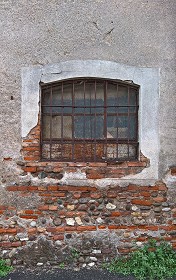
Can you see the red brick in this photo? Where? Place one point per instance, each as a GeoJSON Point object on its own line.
{"type": "Point", "coordinates": [32, 188]}
{"type": "Point", "coordinates": [86, 228]}
{"type": "Point", "coordinates": [124, 251]}
{"type": "Point", "coordinates": [52, 188]}
{"type": "Point", "coordinates": [22, 188]}
{"type": "Point", "coordinates": [53, 207]}
{"type": "Point", "coordinates": [77, 195]}
{"type": "Point", "coordinates": [159, 199]}
{"type": "Point", "coordinates": [2, 230]}
{"type": "Point", "coordinates": [58, 237]}
{"type": "Point", "coordinates": [111, 194]}
{"type": "Point", "coordinates": [117, 227]}
{"type": "Point", "coordinates": [33, 217]}
{"type": "Point", "coordinates": [3, 207]}
{"type": "Point", "coordinates": [60, 229]}
{"type": "Point", "coordinates": [145, 194]}
{"type": "Point", "coordinates": [133, 188]}
{"type": "Point", "coordinates": [31, 158]}
{"type": "Point", "coordinates": [42, 188]}
{"type": "Point", "coordinates": [11, 208]}
{"type": "Point", "coordinates": [11, 230]}
{"type": "Point", "coordinates": [95, 175]}
{"type": "Point", "coordinates": [136, 164]}
{"type": "Point", "coordinates": [1, 212]}
{"type": "Point", "coordinates": [97, 164]}
{"type": "Point", "coordinates": [116, 214]}
{"type": "Point", "coordinates": [44, 194]}
{"type": "Point", "coordinates": [70, 228]}
{"type": "Point", "coordinates": [151, 227]}
{"type": "Point", "coordinates": [12, 188]}
{"type": "Point", "coordinates": [57, 169]}
{"type": "Point", "coordinates": [77, 164]}
{"type": "Point", "coordinates": [43, 207]}
{"type": "Point", "coordinates": [30, 169]}
{"type": "Point", "coordinates": [5, 244]}
{"type": "Point", "coordinates": [32, 230]}
{"type": "Point", "coordinates": [162, 188]}
{"type": "Point", "coordinates": [102, 227]}
{"type": "Point", "coordinates": [51, 229]}
{"type": "Point", "coordinates": [95, 195]}
{"type": "Point", "coordinates": [31, 148]}
{"type": "Point", "coordinates": [141, 202]}
{"type": "Point", "coordinates": [29, 211]}
{"type": "Point", "coordinates": [16, 244]}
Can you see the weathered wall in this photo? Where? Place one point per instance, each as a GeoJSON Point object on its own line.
{"type": "Point", "coordinates": [140, 33]}
{"type": "Point", "coordinates": [41, 32]}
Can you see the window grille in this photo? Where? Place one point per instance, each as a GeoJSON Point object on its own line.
{"type": "Point", "coordinates": [89, 119]}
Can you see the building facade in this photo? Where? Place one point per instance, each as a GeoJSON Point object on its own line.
{"type": "Point", "coordinates": [88, 128]}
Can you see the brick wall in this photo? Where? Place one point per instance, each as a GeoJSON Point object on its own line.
{"type": "Point", "coordinates": [44, 220]}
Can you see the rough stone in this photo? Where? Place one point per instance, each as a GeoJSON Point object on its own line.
{"type": "Point", "coordinates": [57, 222]}
{"type": "Point", "coordinates": [70, 221]}
{"type": "Point", "coordinates": [110, 206]}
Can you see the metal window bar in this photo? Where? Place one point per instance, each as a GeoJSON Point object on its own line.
{"type": "Point", "coordinates": [93, 141]}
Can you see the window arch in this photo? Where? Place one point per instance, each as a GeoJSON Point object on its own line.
{"type": "Point", "coordinates": [89, 119]}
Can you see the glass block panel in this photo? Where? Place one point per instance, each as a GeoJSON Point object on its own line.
{"type": "Point", "coordinates": [56, 151]}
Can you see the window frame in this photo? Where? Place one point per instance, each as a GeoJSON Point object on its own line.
{"type": "Point", "coordinates": [128, 84]}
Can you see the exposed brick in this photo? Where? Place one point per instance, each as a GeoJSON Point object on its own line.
{"type": "Point", "coordinates": [102, 227]}
{"type": "Point", "coordinates": [53, 208]}
{"type": "Point", "coordinates": [42, 188]}
{"type": "Point", "coordinates": [22, 188]}
{"type": "Point", "coordinates": [133, 188]}
{"type": "Point", "coordinates": [141, 202]}
{"type": "Point", "coordinates": [16, 244]}
{"type": "Point", "coordinates": [29, 211]}
{"type": "Point", "coordinates": [33, 217]}
{"type": "Point", "coordinates": [86, 228]}
{"type": "Point", "coordinates": [136, 164]}
{"type": "Point", "coordinates": [30, 169]}
{"type": "Point", "coordinates": [52, 188]}
{"type": "Point", "coordinates": [31, 159]}
{"type": "Point", "coordinates": [111, 194]}
{"type": "Point", "coordinates": [2, 230]}
{"type": "Point", "coordinates": [97, 164]}
{"type": "Point", "coordinates": [95, 175]}
{"type": "Point", "coordinates": [159, 199]}
{"type": "Point", "coordinates": [11, 230]}
{"type": "Point", "coordinates": [58, 237]}
{"type": "Point", "coordinates": [32, 188]}
{"type": "Point", "coordinates": [32, 230]}
{"type": "Point", "coordinates": [3, 207]}
{"type": "Point", "coordinates": [116, 214]}
{"type": "Point", "coordinates": [12, 188]}
{"type": "Point", "coordinates": [96, 195]}
{"type": "Point", "coordinates": [43, 207]}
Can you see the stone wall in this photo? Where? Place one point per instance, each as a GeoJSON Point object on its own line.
{"type": "Point", "coordinates": [53, 224]}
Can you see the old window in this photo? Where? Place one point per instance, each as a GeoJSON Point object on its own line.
{"type": "Point", "coordinates": [89, 119]}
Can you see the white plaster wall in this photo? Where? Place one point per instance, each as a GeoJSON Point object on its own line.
{"type": "Point", "coordinates": [147, 78]}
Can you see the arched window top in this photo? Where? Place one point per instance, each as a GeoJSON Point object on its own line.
{"type": "Point", "coordinates": [89, 119]}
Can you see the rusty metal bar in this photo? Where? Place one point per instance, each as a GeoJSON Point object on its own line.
{"type": "Point", "coordinates": [93, 124]}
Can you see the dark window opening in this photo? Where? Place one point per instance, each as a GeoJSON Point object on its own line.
{"type": "Point", "coordinates": [89, 119]}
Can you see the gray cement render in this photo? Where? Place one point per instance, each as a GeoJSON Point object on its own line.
{"type": "Point", "coordinates": [40, 32]}
{"type": "Point", "coordinates": [147, 78]}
